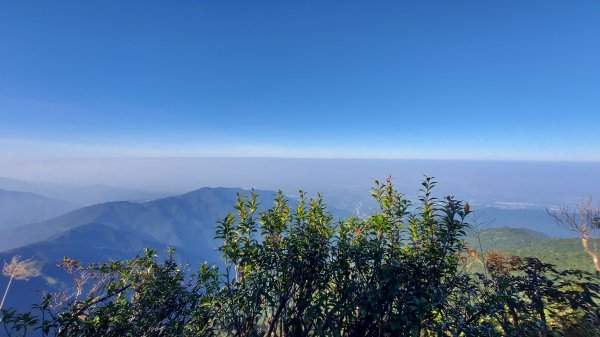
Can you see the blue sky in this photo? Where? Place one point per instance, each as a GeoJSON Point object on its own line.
{"type": "Point", "coordinates": [358, 79]}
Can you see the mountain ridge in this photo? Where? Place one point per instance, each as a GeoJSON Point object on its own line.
{"type": "Point", "coordinates": [20, 208]}
{"type": "Point", "coordinates": [174, 220]}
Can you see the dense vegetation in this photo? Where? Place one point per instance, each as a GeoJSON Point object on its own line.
{"type": "Point", "coordinates": [564, 253]}
{"type": "Point", "coordinates": [293, 271]}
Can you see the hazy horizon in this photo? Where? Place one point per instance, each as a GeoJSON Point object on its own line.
{"type": "Point", "coordinates": [527, 182]}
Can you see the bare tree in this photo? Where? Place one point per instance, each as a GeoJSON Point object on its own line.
{"type": "Point", "coordinates": [584, 220]}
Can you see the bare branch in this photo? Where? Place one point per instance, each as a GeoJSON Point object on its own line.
{"type": "Point", "coordinates": [582, 220]}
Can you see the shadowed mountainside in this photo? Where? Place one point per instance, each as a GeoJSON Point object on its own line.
{"type": "Point", "coordinates": [89, 243]}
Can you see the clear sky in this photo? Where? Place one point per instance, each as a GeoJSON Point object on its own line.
{"type": "Point", "coordinates": [363, 79]}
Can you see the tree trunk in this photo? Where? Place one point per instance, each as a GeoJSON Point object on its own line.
{"type": "Point", "coordinates": [586, 246]}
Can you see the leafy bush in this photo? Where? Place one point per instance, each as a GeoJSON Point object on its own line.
{"type": "Point", "coordinates": [294, 271]}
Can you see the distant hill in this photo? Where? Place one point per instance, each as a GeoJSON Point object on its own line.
{"type": "Point", "coordinates": [531, 218]}
{"type": "Point", "coordinates": [565, 253]}
{"type": "Point", "coordinates": [20, 208]}
{"type": "Point", "coordinates": [185, 220]}
{"type": "Point", "coordinates": [79, 195]}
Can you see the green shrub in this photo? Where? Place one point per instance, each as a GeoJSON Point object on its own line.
{"type": "Point", "coordinates": [294, 271]}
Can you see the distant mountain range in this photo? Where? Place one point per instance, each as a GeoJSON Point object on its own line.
{"type": "Point", "coordinates": [187, 220]}
{"type": "Point", "coordinates": [536, 219]}
{"type": "Point", "coordinates": [20, 208]}
{"type": "Point", "coordinates": [78, 195]}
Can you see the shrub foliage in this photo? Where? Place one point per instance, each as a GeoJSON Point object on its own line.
{"type": "Point", "coordinates": [294, 271]}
